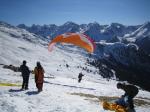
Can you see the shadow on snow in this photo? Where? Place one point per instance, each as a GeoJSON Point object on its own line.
{"type": "Point", "coordinates": [68, 85]}
{"type": "Point", "coordinates": [32, 93]}
{"type": "Point", "coordinates": [15, 90]}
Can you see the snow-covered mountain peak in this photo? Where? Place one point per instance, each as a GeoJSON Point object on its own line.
{"type": "Point", "coordinates": [4, 25]}
{"type": "Point", "coordinates": [116, 25]}
{"type": "Point", "coordinates": [143, 30]}
{"type": "Point", "coordinates": [19, 33]}
{"type": "Point", "coordinates": [22, 26]}
{"type": "Point", "coordinates": [93, 24]}
{"type": "Point", "coordinates": [147, 24]}
{"type": "Point", "coordinates": [69, 23]}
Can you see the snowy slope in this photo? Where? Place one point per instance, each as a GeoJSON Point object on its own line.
{"type": "Point", "coordinates": [60, 81]}
{"type": "Point", "coordinates": [144, 30]}
{"type": "Point", "coordinates": [140, 33]}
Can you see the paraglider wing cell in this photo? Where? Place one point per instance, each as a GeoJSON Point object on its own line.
{"type": "Point", "coordinates": [50, 47]}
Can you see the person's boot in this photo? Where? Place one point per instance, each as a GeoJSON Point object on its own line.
{"type": "Point", "coordinates": [22, 89]}
{"type": "Point", "coordinates": [26, 88]}
{"type": "Point", "coordinates": [39, 90]}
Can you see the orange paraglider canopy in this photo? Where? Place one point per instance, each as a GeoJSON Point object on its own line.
{"type": "Point", "coordinates": [74, 38]}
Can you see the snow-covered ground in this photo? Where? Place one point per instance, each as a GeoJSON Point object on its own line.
{"type": "Point", "coordinates": [61, 92]}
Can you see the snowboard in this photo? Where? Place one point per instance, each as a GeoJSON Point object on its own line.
{"type": "Point", "coordinates": [113, 107]}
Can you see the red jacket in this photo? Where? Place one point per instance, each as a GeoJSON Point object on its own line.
{"type": "Point", "coordinates": [39, 75]}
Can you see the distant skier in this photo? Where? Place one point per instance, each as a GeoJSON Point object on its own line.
{"type": "Point", "coordinates": [127, 99]}
{"type": "Point", "coordinates": [39, 76]}
{"type": "Point", "coordinates": [25, 75]}
{"type": "Point", "coordinates": [80, 77]}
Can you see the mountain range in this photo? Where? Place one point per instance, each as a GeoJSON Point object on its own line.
{"type": "Point", "coordinates": [94, 30]}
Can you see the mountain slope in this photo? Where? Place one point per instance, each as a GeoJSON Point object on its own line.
{"type": "Point", "coordinates": [129, 61]}
{"type": "Point", "coordinates": [141, 32]}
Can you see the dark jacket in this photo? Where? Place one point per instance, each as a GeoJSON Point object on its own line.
{"type": "Point", "coordinates": [130, 90]}
{"type": "Point", "coordinates": [24, 70]}
{"type": "Point", "coordinates": [80, 75]}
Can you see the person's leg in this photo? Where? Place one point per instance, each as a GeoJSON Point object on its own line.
{"type": "Point", "coordinates": [121, 101]}
{"type": "Point", "coordinates": [26, 82]}
{"type": "Point", "coordinates": [40, 86]}
{"type": "Point", "coordinates": [79, 80]}
{"type": "Point", "coordinates": [130, 101]}
{"type": "Point", "coordinates": [37, 85]}
{"type": "Point", "coordinates": [23, 83]}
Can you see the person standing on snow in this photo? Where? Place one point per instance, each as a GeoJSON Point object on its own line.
{"type": "Point", "coordinates": [39, 76]}
{"type": "Point", "coordinates": [25, 75]}
{"type": "Point", "coordinates": [80, 77]}
{"type": "Point", "coordinates": [130, 92]}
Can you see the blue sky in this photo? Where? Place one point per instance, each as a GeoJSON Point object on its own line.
{"type": "Point", "coordinates": [128, 12]}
